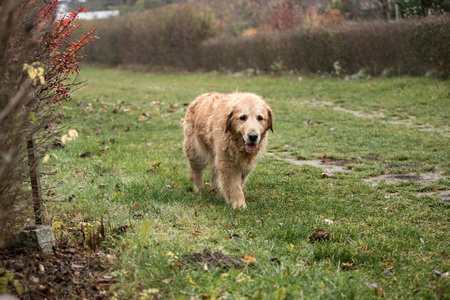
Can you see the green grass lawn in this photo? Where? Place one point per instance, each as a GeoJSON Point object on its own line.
{"type": "Point", "coordinates": [386, 240]}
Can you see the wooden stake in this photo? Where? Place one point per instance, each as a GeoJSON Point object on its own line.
{"type": "Point", "coordinates": [35, 183]}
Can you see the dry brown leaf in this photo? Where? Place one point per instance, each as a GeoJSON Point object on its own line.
{"type": "Point", "coordinates": [249, 259]}
{"type": "Point", "coordinates": [319, 235]}
{"type": "Point", "coordinates": [86, 154]}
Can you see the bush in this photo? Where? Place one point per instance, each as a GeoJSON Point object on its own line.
{"type": "Point", "coordinates": [169, 36]}
{"type": "Point", "coordinates": [405, 48]}
{"type": "Point", "coordinates": [182, 36]}
{"type": "Point", "coordinates": [36, 63]}
{"type": "Point", "coordinates": [431, 42]}
{"type": "Point", "coordinates": [17, 47]}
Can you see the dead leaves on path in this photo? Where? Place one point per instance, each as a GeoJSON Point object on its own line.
{"type": "Point", "coordinates": [83, 274]}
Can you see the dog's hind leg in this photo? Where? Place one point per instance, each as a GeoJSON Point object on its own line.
{"type": "Point", "coordinates": [196, 160]}
{"type": "Point", "coordinates": [214, 176]}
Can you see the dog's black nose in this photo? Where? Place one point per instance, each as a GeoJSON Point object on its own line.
{"type": "Point", "coordinates": [253, 136]}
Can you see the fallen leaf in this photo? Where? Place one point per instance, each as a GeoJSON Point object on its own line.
{"type": "Point", "coordinates": [438, 273]}
{"type": "Point", "coordinates": [377, 288]}
{"type": "Point", "coordinates": [116, 187]}
{"type": "Point", "coordinates": [167, 280]}
{"type": "Point", "coordinates": [249, 259]}
{"type": "Point", "coordinates": [348, 266]}
{"type": "Point", "coordinates": [328, 221]}
{"type": "Point", "coordinates": [102, 185]}
{"type": "Point", "coordinates": [232, 236]}
{"type": "Point", "coordinates": [333, 128]}
{"type": "Point", "coordinates": [319, 235]}
{"type": "Point", "coordinates": [307, 122]}
{"type": "Point", "coordinates": [52, 172]}
{"type": "Point", "coordinates": [372, 285]}
{"type": "Point", "coordinates": [76, 266]}
{"type": "Point", "coordinates": [17, 266]}
{"type": "Point", "coordinates": [327, 173]}
{"type": "Point", "coordinates": [388, 272]}
{"type": "Point", "coordinates": [101, 152]}
{"type": "Point", "coordinates": [142, 118]}
{"type": "Point", "coordinates": [86, 154]}
{"type": "Point", "coordinates": [115, 111]}
{"type": "Point", "coordinates": [121, 229]}
{"type": "Point", "coordinates": [18, 287]}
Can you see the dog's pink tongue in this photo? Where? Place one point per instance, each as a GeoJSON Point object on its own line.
{"type": "Point", "coordinates": [251, 147]}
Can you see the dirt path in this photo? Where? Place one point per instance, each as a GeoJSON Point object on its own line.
{"type": "Point", "coordinates": [445, 130]}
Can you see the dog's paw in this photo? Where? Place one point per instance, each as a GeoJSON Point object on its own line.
{"type": "Point", "coordinates": [239, 204]}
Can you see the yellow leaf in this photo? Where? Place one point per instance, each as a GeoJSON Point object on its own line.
{"type": "Point", "coordinates": [54, 155]}
{"type": "Point", "coordinates": [46, 158]}
{"type": "Point", "coordinates": [32, 73]}
{"type": "Point", "coordinates": [57, 224]}
{"type": "Point", "coordinates": [73, 133]}
{"type": "Point", "coordinates": [191, 281]}
{"type": "Point", "coordinates": [18, 286]}
{"type": "Point", "coordinates": [40, 71]}
{"type": "Point", "coordinates": [32, 116]}
{"type": "Point", "coordinates": [64, 138]}
{"type": "Point", "coordinates": [142, 118]}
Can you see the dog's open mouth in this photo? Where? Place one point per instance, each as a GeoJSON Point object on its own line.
{"type": "Point", "coordinates": [250, 147]}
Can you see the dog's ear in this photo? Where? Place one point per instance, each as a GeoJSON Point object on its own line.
{"type": "Point", "coordinates": [229, 121]}
{"type": "Point", "coordinates": [270, 113]}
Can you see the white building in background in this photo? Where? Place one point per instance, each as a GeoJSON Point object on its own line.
{"type": "Point", "coordinates": [63, 9]}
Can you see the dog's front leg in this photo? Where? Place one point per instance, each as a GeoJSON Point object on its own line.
{"type": "Point", "coordinates": [230, 183]}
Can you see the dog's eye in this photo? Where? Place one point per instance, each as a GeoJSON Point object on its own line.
{"type": "Point", "coordinates": [243, 118]}
{"type": "Point", "coordinates": [260, 118]}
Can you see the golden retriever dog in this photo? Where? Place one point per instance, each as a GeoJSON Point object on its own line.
{"type": "Point", "coordinates": [228, 133]}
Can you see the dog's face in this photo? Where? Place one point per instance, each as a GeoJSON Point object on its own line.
{"type": "Point", "coordinates": [250, 118]}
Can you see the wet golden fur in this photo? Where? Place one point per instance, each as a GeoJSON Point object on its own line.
{"type": "Point", "coordinates": [228, 133]}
